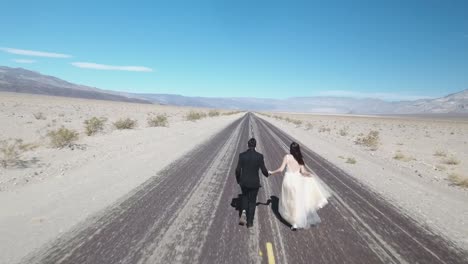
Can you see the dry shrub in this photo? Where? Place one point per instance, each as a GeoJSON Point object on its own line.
{"type": "Point", "coordinates": [351, 160]}
{"type": "Point", "coordinates": [458, 179]}
{"type": "Point", "coordinates": [193, 116]}
{"type": "Point", "coordinates": [39, 116]}
{"type": "Point", "coordinates": [309, 126]}
{"type": "Point", "coordinates": [324, 129]}
{"type": "Point", "coordinates": [402, 157]}
{"type": "Point", "coordinates": [213, 113]}
{"type": "Point", "coordinates": [451, 161]}
{"type": "Point", "coordinates": [158, 121]}
{"type": "Point", "coordinates": [440, 153]}
{"type": "Point", "coordinates": [62, 137]}
{"type": "Point", "coordinates": [11, 150]}
{"type": "Point", "coordinates": [125, 123]}
{"type": "Point", "coordinates": [231, 113]}
{"type": "Point", "coordinates": [371, 140]}
{"type": "Point", "coordinates": [267, 115]}
{"type": "Point", "coordinates": [344, 131]}
{"type": "Point", "coordinates": [94, 125]}
{"type": "Point", "coordinates": [296, 122]}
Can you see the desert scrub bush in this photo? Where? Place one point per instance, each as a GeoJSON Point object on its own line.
{"type": "Point", "coordinates": [94, 125]}
{"type": "Point", "coordinates": [344, 131]}
{"type": "Point", "coordinates": [158, 121]}
{"type": "Point", "coordinates": [351, 160]}
{"type": "Point", "coordinates": [125, 123]}
{"type": "Point", "coordinates": [39, 116]}
{"type": "Point", "coordinates": [296, 122]}
{"type": "Point", "coordinates": [227, 113]}
{"type": "Point", "coordinates": [62, 137]}
{"type": "Point", "coordinates": [458, 179]}
{"type": "Point", "coordinates": [451, 161]}
{"type": "Point", "coordinates": [371, 140]}
{"type": "Point", "coordinates": [193, 116]}
{"type": "Point", "coordinates": [308, 126]}
{"type": "Point", "coordinates": [263, 114]}
{"type": "Point", "coordinates": [400, 156]}
{"type": "Point", "coordinates": [324, 129]}
{"type": "Point", "coordinates": [11, 150]}
{"type": "Point", "coordinates": [440, 153]}
{"type": "Point", "coordinates": [213, 113]}
{"type": "Point", "coordinates": [230, 113]}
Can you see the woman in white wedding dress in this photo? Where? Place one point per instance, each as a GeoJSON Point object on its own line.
{"type": "Point", "coordinates": [301, 194]}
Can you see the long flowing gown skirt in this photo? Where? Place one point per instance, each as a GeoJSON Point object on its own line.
{"type": "Point", "coordinates": [300, 199]}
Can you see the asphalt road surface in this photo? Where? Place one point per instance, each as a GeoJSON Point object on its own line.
{"type": "Point", "coordinates": [185, 215]}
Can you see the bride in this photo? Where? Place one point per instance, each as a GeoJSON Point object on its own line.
{"type": "Point", "coordinates": [301, 193]}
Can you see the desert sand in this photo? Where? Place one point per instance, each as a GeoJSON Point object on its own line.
{"type": "Point", "coordinates": [415, 162]}
{"type": "Point", "coordinates": [52, 189]}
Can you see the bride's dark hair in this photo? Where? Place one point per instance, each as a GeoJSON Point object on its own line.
{"type": "Point", "coordinates": [295, 150]}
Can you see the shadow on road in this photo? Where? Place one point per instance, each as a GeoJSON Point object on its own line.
{"type": "Point", "coordinates": [273, 202]}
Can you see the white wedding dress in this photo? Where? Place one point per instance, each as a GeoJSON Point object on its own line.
{"type": "Point", "coordinates": [301, 197]}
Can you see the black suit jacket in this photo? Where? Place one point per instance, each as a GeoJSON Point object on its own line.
{"type": "Point", "coordinates": [249, 163]}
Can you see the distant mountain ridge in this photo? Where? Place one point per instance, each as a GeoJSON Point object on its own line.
{"type": "Point", "coordinates": [25, 81]}
{"type": "Point", "coordinates": [454, 103]}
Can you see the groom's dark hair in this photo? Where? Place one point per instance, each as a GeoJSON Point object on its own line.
{"type": "Point", "coordinates": [252, 143]}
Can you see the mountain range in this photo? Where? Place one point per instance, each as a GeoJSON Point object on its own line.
{"type": "Point", "coordinates": [20, 80]}
{"type": "Point", "coordinates": [25, 81]}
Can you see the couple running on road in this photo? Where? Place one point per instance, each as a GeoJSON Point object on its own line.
{"type": "Point", "coordinates": [301, 193]}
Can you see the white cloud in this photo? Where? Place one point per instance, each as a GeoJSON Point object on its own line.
{"type": "Point", "coordinates": [377, 95]}
{"type": "Point", "coordinates": [23, 61]}
{"type": "Point", "coordinates": [95, 66]}
{"type": "Point", "coordinates": [35, 53]}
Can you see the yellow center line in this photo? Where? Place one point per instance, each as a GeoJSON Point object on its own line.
{"type": "Point", "coordinates": [270, 255]}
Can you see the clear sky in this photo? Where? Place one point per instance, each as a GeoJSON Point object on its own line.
{"type": "Point", "coordinates": [274, 49]}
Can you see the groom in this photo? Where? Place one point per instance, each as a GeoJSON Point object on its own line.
{"type": "Point", "coordinates": [247, 177]}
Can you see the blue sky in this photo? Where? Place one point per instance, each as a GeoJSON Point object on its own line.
{"type": "Point", "coordinates": [274, 49]}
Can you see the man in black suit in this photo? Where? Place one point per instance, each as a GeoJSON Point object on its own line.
{"type": "Point", "coordinates": [247, 177]}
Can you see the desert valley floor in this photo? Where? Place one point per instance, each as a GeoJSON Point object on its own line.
{"type": "Point", "coordinates": [163, 194]}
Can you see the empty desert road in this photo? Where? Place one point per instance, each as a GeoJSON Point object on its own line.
{"type": "Point", "coordinates": [184, 215]}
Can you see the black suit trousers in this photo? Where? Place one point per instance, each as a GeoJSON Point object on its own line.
{"type": "Point", "coordinates": [249, 202]}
